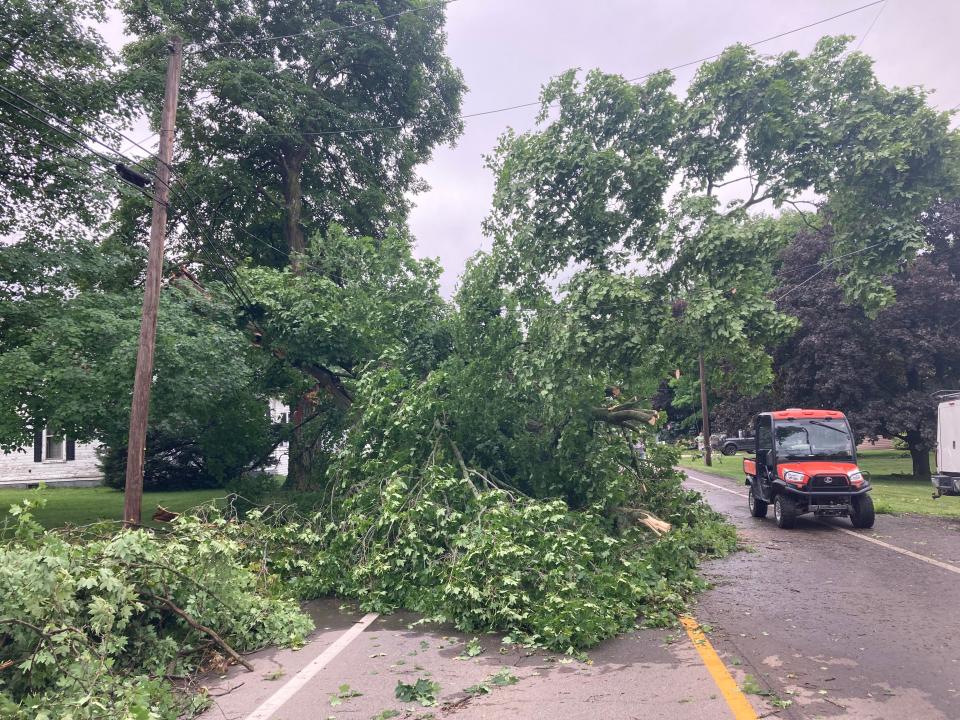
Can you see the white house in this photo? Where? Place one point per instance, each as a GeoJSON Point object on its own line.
{"type": "Point", "coordinates": [57, 460]}
{"type": "Point", "coordinates": [54, 460]}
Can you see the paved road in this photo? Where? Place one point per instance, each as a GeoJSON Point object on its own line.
{"type": "Point", "coordinates": [644, 675]}
{"type": "Point", "coordinates": [853, 624]}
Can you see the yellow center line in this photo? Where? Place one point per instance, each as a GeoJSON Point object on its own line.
{"type": "Point", "coordinates": [736, 700]}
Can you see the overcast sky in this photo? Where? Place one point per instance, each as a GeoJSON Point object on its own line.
{"type": "Point", "coordinates": [508, 48]}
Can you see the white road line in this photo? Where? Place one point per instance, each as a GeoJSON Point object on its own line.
{"type": "Point", "coordinates": [902, 551]}
{"type": "Point", "coordinates": [718, 487]}
{"type": "Point", "coordinates": [866, 538]}
{"type": "Point", "coordinates": [296, 683]}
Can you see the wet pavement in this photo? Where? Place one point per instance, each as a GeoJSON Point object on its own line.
{"type": "Point", "coordinates": [647, 675]}
{"type": "Point", "coordinates": [840, 626]}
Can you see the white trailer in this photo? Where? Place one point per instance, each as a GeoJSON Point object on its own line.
{"type": "Point", "coordinates": [947, 479]}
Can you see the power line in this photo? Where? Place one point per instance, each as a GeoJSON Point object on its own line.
{"type": "Point", "coordinates": [229, 279]}
{"type": "Point", "coordinates": [875, 18]}
{"type": "Point", "coordinates": [326, 31]}
{"type": "Point", "coordinates": [140, 144]}
{"type": "Point", "coordinates": [78, 142]}
{"type": "Point", "coordinates": [67, 135]}
{"type": "Point", "coordinates": [71, 152]}
{"type": "Point", "coordinates": [800, 285]}
{"type": "Point", "coordinates": [107, 160]}
{"type": "Point", "coordinates": [96, 120]}
{"type": "Point", "coordinates": [826, 267]}
{"type": "Point", "coordinates": [75, 128]}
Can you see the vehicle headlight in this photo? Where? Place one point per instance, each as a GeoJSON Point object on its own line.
{"type": "Point", "coordinates": [792, 476]}
{"type": "Point", "coordinates": [856, 477]}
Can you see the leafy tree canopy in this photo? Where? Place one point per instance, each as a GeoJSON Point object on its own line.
{"type": "Point", "coordinates": [67, 360]}
{"type": "Point", "coordinates": [53, 63]}
{"type": "Point", "coordinates": [296, 118]}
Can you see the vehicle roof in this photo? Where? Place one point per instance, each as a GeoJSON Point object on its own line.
{"type": "Point", "coordinates": [799, 413]}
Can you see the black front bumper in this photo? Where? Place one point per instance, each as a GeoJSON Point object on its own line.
{"type": "Point", "coordinates": [824, 503]}
{"type": "Point", "coordinates": [946, 484]}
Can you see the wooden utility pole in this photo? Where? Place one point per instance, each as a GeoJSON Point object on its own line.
{"type": "Point", "coordinates": [704, 408]}
{"type": "Point", "coordinates": [140, 407]}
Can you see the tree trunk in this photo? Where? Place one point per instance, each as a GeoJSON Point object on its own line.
{"type": "Point", "coordinates": [298, 461]}
{"type": "Point", "coordinates": [920, 456]}
{"type": "Point", "coordinates": [291, 169]}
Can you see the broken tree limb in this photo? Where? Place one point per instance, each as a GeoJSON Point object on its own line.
{"type": "Point", "coordinates": [210, 633]}
{"type": "Point", "coordinates": [636, 516]}
{"type": "Point", "coordinates": [627, 417]}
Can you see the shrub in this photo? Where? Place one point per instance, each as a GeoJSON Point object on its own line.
{"type": "Point", "coordinates": [94, 621]}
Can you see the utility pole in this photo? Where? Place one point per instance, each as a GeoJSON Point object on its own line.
{"type": "Point", "coordinates": [707, 453]}
{"type": "Point", "coordinates": [140, 407]}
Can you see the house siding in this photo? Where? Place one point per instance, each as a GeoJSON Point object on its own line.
{"type": "Point", "coordinates": [17, 469]}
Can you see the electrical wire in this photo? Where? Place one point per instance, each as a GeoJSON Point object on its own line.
{"type": "Point", "coordinates": [107, 160]}
{"type": "Point", "coordinates": [72, 126]}
{"type": "Point", "coordinates": [97, 121]}
{"type": "Point", "coordinates": [245, 300]}
{"type": "Point", "coordinates": [827, 266]}
{"type": "Point", "coordinates": [833, 260]}
{"type": "Point", "coordinates": [800, 285]}
{"type": "Point", "coordinates": [73, 139]}
{"type": "Point", "coordinates": [99, 171]}
{"type": "Point", "coordinates": [140, 143]}
{"type": "Point", "coordinates": [876, 17]}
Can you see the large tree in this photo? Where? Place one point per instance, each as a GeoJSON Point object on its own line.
{"type": "Point", "coordinates": [882, 368]}
{"type": "Point", "coordinates": [628, 180]}
{"type": "Point", "coordinates": [297, 117]}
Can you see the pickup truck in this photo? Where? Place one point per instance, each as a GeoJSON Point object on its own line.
{"type": "Point", "coordinates": [806, 462]}
{"type": "Point", "coordinates": [733, 445]}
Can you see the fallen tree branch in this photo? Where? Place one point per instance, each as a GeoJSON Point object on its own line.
{"type": "Point", "coordinates": [626, 416]}
{"type": "Point", "coordinates": [212, 634]}
{"type": "Point", "coordinates": [628, 515]}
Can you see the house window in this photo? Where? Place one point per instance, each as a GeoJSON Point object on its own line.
{"type": "Point", "coordinates": [51, 447]}
{"type": "Point", "coordinates": [54, 447]}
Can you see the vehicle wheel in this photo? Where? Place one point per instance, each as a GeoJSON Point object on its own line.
{"type": "Point", "coordinates": [758, 508]}
{"type": "Point", "coordinates": [785, 511]}
{"type": "Point", "coordinates": [862, 516]}
{"type": "Point", "coordinates": [730, 449]}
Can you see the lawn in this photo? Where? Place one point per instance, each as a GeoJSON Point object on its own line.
{"type": "Point", "coordinates": [82, 506]}
{"type": "Point", "coordinates": [894, 488]}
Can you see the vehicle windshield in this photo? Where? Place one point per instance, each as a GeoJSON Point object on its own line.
{"type": "Point", "coordinates": [826, 439]}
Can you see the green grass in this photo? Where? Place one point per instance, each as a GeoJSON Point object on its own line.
{"type": "Point", "coordinates": [895, 490]}
{"type": "Point", "coordinates": [82, 506]}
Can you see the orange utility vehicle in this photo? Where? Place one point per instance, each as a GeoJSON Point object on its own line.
{"type": "Point", "coordinates": [806, 462]}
